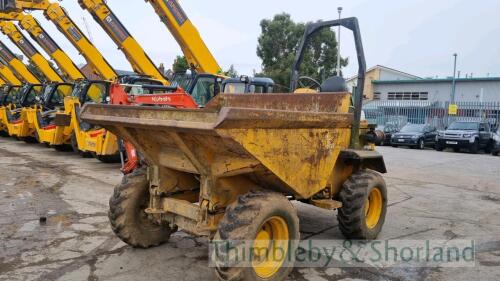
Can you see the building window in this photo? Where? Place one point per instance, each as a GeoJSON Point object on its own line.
{"type": "Point", "coordinates": [407, 96]}
{"type": "Point", "coordinates": [376, 96]}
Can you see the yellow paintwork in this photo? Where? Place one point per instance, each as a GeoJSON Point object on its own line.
{"type": "Point", "coordinates": [31, 25]}
{"type": "Point", "coordinates": [135, 54]}
{"type": "Point", "coordinates": [187, 36]}
{"type": "Point", "coordinates": [373, 208]}
{"type": "Point", "coordinates": [55, 13]}
{"type": "Point", "coordinates": [301, 168]}
{"type": "Point", "coordinates": [8, 28]}
{"type": "Point", "coordinates": [17, 65]}
{"type": "Point", "coordinates": [46, 135]}
{"type": "Point", "coordinates": [9, 76]}
{"type": "Point", "coordinates": [270, 247]}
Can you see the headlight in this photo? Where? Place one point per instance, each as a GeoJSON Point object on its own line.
{"type": "Point", "coordinates": [467, 135]}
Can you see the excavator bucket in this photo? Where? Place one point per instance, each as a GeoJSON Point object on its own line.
{"type": "Point", "coordinates": [289, 143]}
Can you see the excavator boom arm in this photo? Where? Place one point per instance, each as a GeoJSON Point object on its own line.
{"type": "Point", "coordinates": [36, 31]}
{"type": "Point", "coordinates": [8, 28]}
{"type": "Point", "coordinates": [55, 13]}
{"type": "Point", "coordinates": [187, 36]}
{"type": "Point", "coordinates": [135, 54]}
{"type": "Point", "coordinates": [17, 65]}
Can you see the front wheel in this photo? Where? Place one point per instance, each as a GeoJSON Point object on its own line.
{"type": "Point", "coordinates": [364, 205]}
{"type": "Point", "coordinates": [439, 147]}
{"type": "Point", "coordinates": [474, 147]}
{"type": "Point", "coordinates": [421, 144]}
{"type": "Point", "coordinates": [127, 215]}
{"type": "Point", "coordinates": [264, 225]}
{"type": "Point", "coordinates": [108, 159]}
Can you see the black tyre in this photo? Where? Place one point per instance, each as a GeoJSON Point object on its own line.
{"type": "Point", "coordinates": [393, 145]}
{"type": "Point", "coordinates": [456, 149]}
{"type": "Point", "coordinates": [421, 144]}
{"type": "Point", "coordinates": [364, 205]}
{"type": "Point", "coordinates": [63, 147]}
{"type": "Point", "coordinates": [489, 147]}
{"type": "Point", "coordinates": [474, 147]}
{"type": "Point", "coordinates": [108, 159]}
{"type": "Point", "coordinates": [29, 140]}
{"type": "Point", "coordinates": [495, 153]}
{"type": "Point", "coordinates": [267, 219]}
{"type": "Point", "coordinates": [74, 146]}
{"type": "Point", "coordinates": [4, 133]}
{"type": "Point", "coordinates": [127, 217]}
{"type": "Point", "coordinates": [439, 147]}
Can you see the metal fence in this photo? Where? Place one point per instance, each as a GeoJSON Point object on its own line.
{"type": "Point", "coordinates": [436, 114]}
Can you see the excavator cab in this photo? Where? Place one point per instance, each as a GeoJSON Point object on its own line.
{"type": "Point", "coordinates": [246, 84]}
{"type": "Point", "coordinates": [54, 94]}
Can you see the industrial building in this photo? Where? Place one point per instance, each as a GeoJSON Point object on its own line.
{"type": "Point", "coordinates": [384, 83]}
{"type": "Point", "coordinates": [438, 90]}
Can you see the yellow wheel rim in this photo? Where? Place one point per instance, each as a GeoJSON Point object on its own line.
{"type": "Point", "coordinates": [270, 247]}
{"type": "Point", "coordinates": [373, 208]}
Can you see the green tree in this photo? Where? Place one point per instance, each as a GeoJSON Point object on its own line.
{"type": "Point", "coordinates": [180, 64]}
{"type": "Point", "coordinates": [277, 46]}
{"type": "Point", "coordinates": [231, 72]}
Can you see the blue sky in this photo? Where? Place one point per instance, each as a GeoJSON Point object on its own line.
{"type": "Point", "coordinates": [415, 36]}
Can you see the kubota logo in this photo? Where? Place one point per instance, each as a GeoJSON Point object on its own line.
{"type": "Point", "coordinates": [161, 99]}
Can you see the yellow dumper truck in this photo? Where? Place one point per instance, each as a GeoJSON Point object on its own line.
{"type": "Point", "coordinates": [230, 170]}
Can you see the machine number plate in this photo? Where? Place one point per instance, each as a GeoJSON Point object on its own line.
{"type": "Point", "coordinates": [451, 142]}
{"type": "Point", "coordinates": [401, 140]}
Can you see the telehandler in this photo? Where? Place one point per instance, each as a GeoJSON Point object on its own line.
{"type": "Point", "coordinates": [229, 170]}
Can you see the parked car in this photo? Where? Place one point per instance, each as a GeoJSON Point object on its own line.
{"type": "Point", "coordinates": [415, 135]}
{"type": "Point", "coordinates": [470, 135]}
{"type": "Point", "coordinates": [496, 145]}
{"type": "Point", "coordinates": [384, 133]}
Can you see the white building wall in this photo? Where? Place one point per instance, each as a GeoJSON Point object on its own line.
{"type": "Point", "coordinates": [465, 91]}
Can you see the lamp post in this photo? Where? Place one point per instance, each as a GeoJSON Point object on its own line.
{"type": "Point", "coordinates": [339, 9]}
{"type": "Point", "coordinates": [453, 86]}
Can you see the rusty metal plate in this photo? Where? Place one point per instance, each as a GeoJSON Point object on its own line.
{"type": "Point", "coordinates": [62, 119]}
{"type": "Point", "coordinates": [324, 102]}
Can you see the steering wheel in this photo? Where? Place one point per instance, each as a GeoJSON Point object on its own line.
{"type": "Point", "coordinates": [309, 83]}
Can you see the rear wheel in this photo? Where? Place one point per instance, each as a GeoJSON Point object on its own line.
{"type": "Point", "coordinates": [270, 222]}
{"type": "Point", "coordinates": [3, 133]}
{"type": "Point", "coordinates": [126, 213]}
{"type": "Point", "coordinates": [364, 205]}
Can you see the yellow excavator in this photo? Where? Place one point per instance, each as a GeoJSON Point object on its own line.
{"type": "Point", "coordinates": [67, 127]}
{"type": "Point", "coordinates": [12, 118]}
{"type": "Point", "coordinates": [54, 88]}
{"type": "Point", "coordinates": [29, 50]}
{"type": "Point", "coordinates": [54, 93]}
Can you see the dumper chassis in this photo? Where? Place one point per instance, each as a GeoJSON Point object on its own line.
{"type": "Point", "coordinates": [230, 170]}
